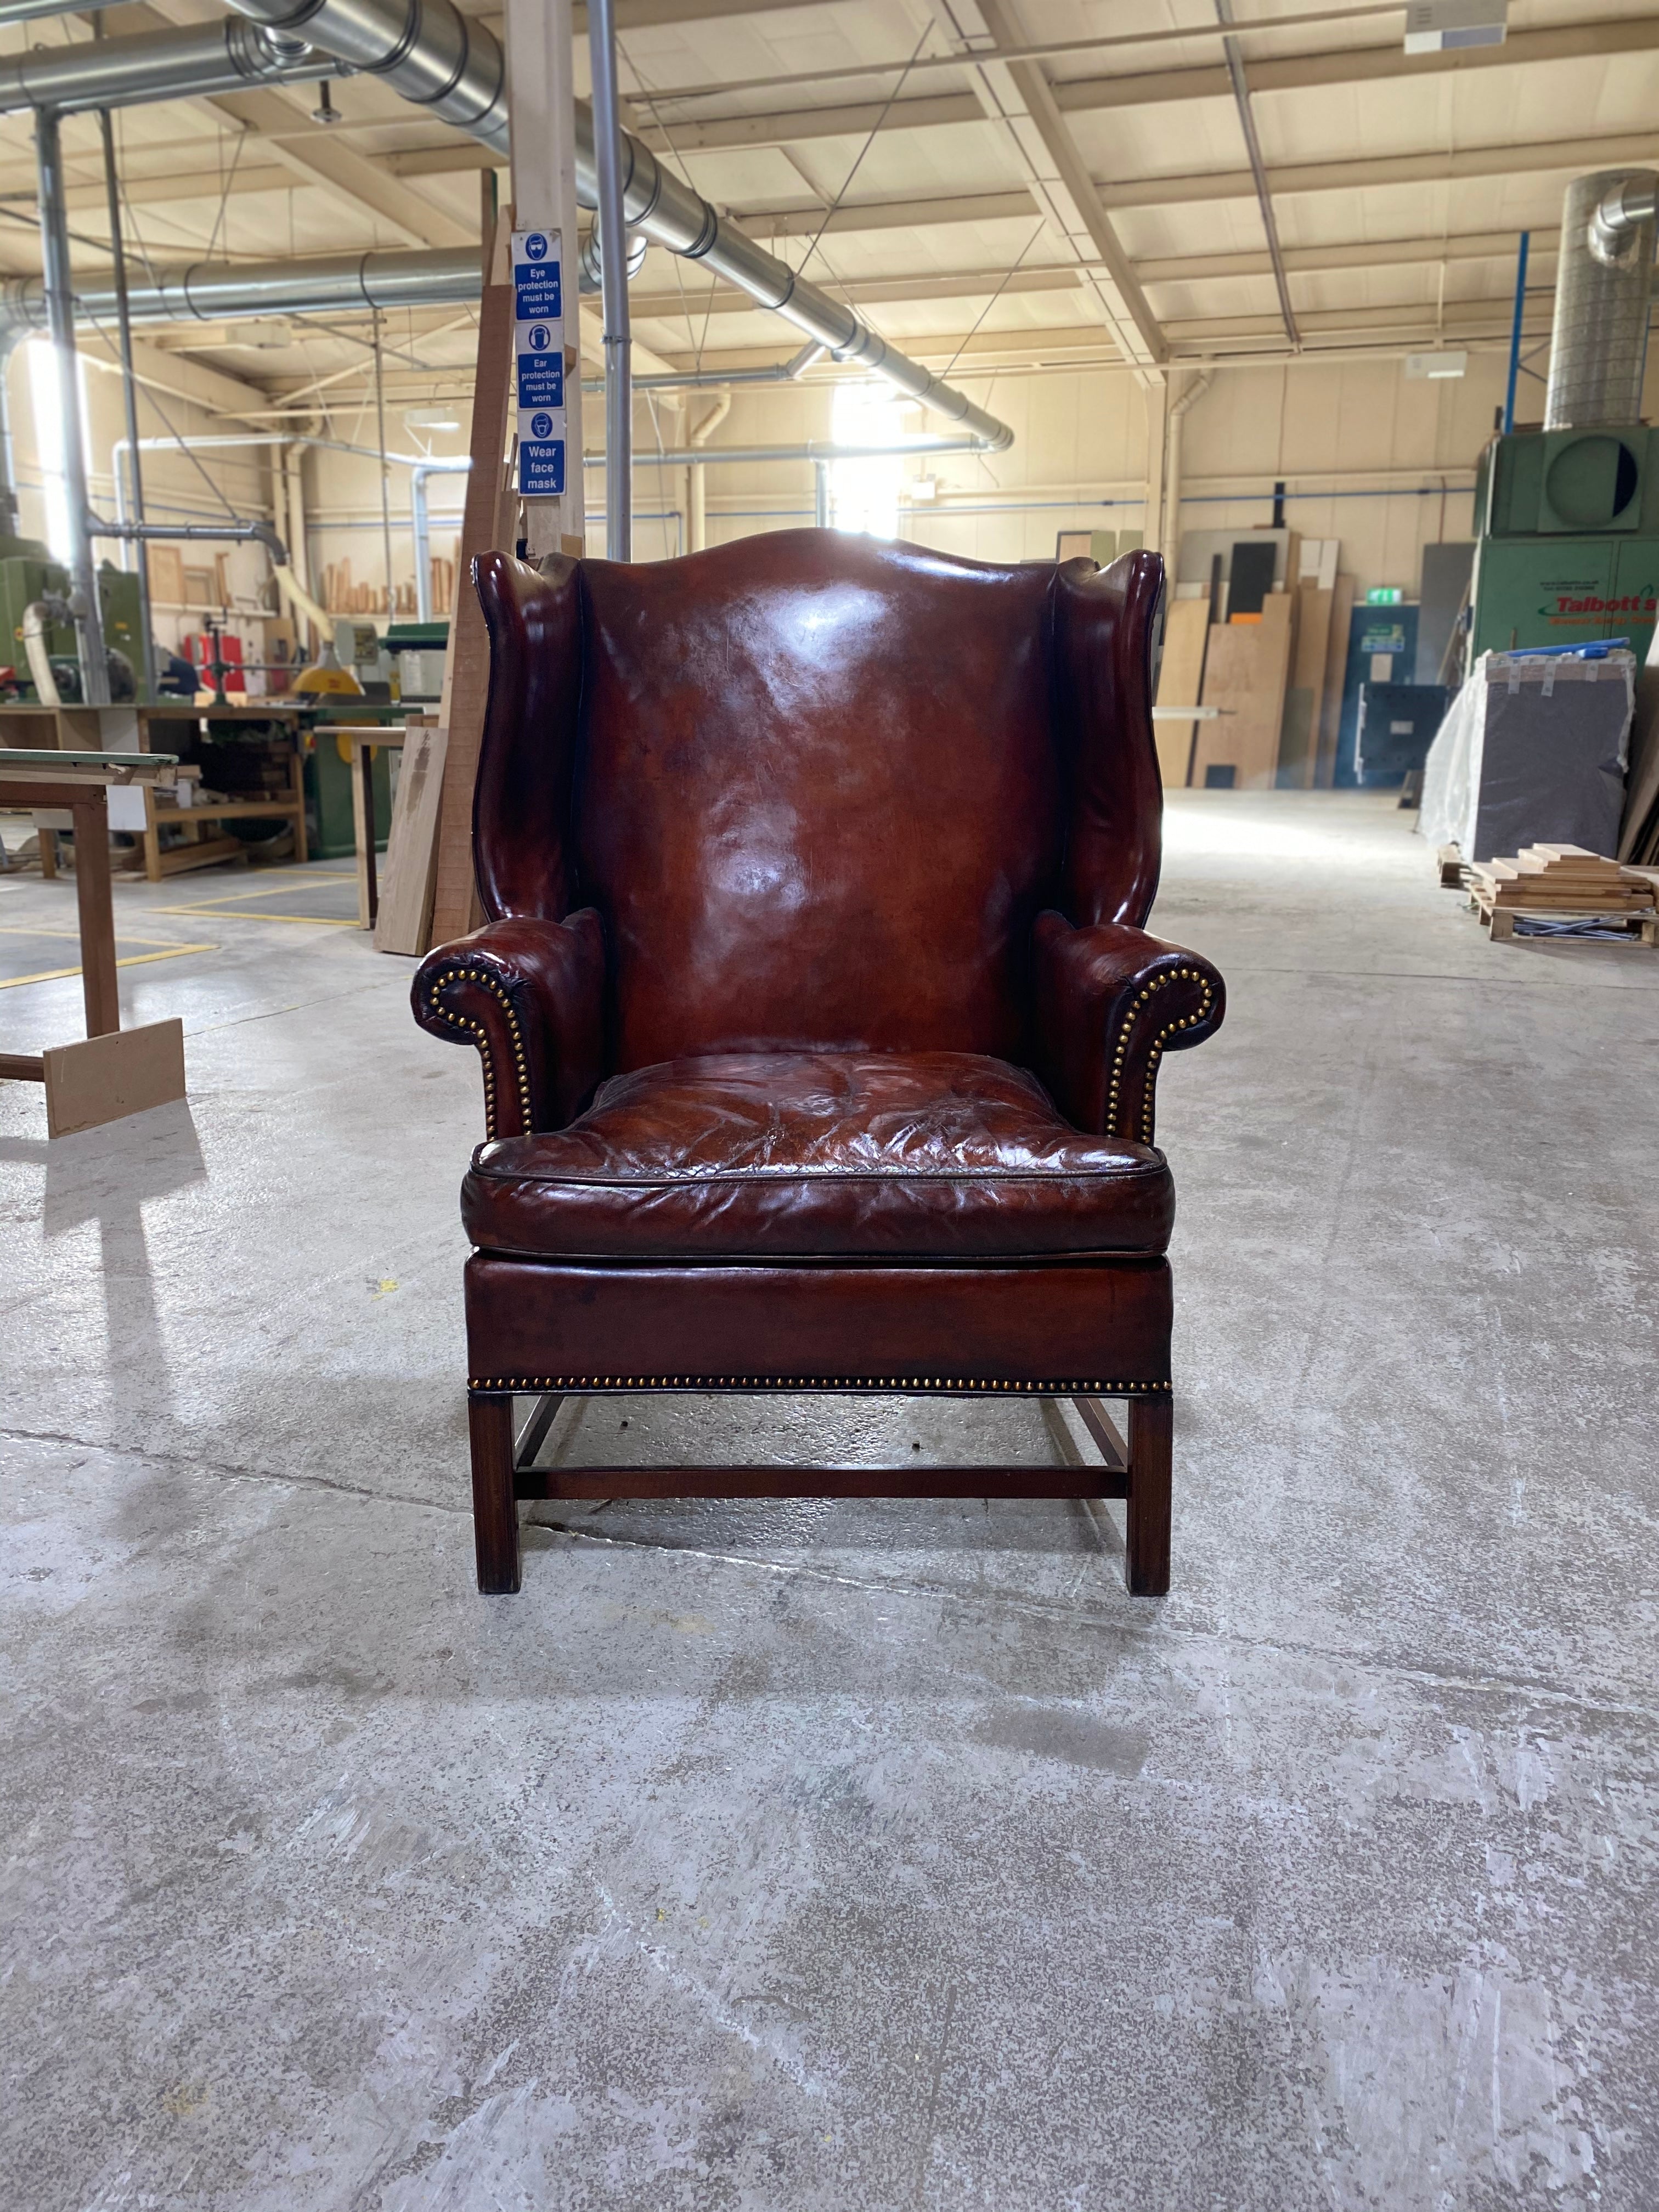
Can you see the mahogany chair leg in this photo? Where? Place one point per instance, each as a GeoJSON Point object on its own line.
{"type": "Point", "coordinates": [495, 1506]}
{"type": "Point", "coordinates": [1147, 1569]}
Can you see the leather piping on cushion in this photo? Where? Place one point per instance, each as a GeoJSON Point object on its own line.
{"type": "Point", "coordinates": [949, 1156]}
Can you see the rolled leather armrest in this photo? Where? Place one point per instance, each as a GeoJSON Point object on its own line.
{"type": "Point", "coordinates": [530, 995]}
{"type": "Point", "coordinates": [1111, 1002]}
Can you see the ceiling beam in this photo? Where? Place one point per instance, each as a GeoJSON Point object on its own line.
{"type": "Point", "coordinates": [1540, 158]}
{"type": "Point", "coordinates": [1357, 66]}
{"type": "Point", "coordinates": [1060, 177]}
{"type": "Point", "coordinates": [872, 291]}
{"type": "Point", "coordinates": [1063, 277]}
{"type": "Point", "coordinates": [1352, 66]}
{"type": "Point", "coordinates": [1331, 258]}
{"type": "Point", "coordinates": [158, 192]}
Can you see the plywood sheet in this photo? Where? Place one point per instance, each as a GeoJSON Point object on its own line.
{"type": "Point", "coordinates": [1181, 684]}
{"type": "Point", "coordinates": [1299, 749]}
{"type": "Point", "coordinates": [1245, 671]}
{"type": "Point", "coordinates": [1336, 662]}
{"type": "Point", "coordinates": [107, 1077]}
{"type": "Point", "coordinates": [405, 921]}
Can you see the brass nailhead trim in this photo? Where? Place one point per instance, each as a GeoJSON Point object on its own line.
{"type": "Point", "coordinates": [480, 1035]}
{"type": "Point", "coordinates": [522, 1384]}
{"type": "Point", "coordinates": [1156, 1051]}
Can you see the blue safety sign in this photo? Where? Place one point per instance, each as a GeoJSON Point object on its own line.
{"type": "Point", "coordinates": [541, 466]}
{"type": "Point", "coordinates": [538, 354]}
{"type": "Point", "coordinates": [541, 373]}
{"type": "Point", "coordinates": [537, 289]}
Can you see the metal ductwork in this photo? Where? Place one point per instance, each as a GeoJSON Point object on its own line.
{"type": "Point", "coordinates": [451, 64]}
{"type": "Point", "coordinates": [1603, 292]}
{"type": "Point", "coordinates": [215, 291]}
{"type": "Point", "coordinates": [180, 64]}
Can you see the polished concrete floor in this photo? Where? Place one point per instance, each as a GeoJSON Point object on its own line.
{"type": "Point", "coordinates": [818, 1857]}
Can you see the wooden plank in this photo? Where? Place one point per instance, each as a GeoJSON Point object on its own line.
{"type": "Point", "coordinates": [405, 922]}
{"type": "Point", "coordinates": [1244, 678]}
{"type": "Point", "coordinates": [1181, 684]}
{"type": "Point", "coordinates": [99, 982]}
{"type": "Point", "coordinates": [556, 1482]}
{"type": "Point", "coordinates": [22, 1068]}
{"type": "Point", "coordinates": [1336, 665]}
{"type": "Point", "coordinates": [166, 574]}
{"type": "Point", "coordinates": [107, 1077]}
{"type": "Point", "coordinates": [1298, 752]}
{"type": "Point", "coordinates": [486, 522]}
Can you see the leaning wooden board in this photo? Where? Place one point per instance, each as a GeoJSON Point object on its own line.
{"type": "Point", "coordinates": [1181, 684]}
{"type": "Point", "coordinates": [1244, 678]}
{"type": "Point", "coordinates": [487, 521]}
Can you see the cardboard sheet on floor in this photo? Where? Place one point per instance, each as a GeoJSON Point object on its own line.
{"type": "Point", "coordinates": [1532, 751]}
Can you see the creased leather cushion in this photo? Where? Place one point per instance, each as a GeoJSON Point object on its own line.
{"type": "Point", "coordinates": [783, 1154]}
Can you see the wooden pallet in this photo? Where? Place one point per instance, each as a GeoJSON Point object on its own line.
{"type": "Point", "coordinates": [1640, 929]}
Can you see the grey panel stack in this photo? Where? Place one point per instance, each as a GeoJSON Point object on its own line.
{"type": "Point", "coordinates": [1532, 751]}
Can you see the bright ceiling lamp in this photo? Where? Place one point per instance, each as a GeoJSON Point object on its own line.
{"type": "Point", "coordinates": [431, 418]}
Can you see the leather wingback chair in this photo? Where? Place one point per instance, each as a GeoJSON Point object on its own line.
{"type": "Point", "coordinates": [818, 1022]}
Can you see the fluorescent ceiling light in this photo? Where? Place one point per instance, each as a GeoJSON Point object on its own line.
{"type": "Point", "coordinates": [1436, 366]}
{"type": "Point", "coordinates": [1433, 26]}
{"type": "Point", "coordinates": [431, 418]}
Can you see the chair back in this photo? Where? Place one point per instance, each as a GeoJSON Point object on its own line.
{"type": "Point", "coordinates": [815, 785]}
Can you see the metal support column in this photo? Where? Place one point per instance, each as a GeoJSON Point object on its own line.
{"type": "Point", "coordinates": [145, 672]}
{"type": "Point", "coordinates": [613, 285]}
{"type": "Point", "coordinates": [1514, 333]}
{"type": "Point", "coordinates": [60, 318]}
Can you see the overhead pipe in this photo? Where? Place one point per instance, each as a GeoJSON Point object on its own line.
{"type": "Point", "coordinates": [421, 523]}
{"type": "Point", "coordinates": [613, 284]}
{"type": "Point", "coordinates": [696, 503]}
{"type": "Point", "coordinates": [171, 65]}
{"type": "Point", "coordinates": [453, 66]}
{"type": "Point", "coordinates": [703, 380]}
{"type": "Point", "coordinates": [1188, 397]}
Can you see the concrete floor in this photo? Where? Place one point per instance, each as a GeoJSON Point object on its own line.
{"type": "Point", "coordinates": [824, 1857]}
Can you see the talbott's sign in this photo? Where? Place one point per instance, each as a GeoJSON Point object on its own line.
{"type": "Point", "coordinates": [1578, 602]}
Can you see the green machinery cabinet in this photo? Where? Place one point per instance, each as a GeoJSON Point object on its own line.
{"type": "Point", "coordinates": [29, 575]}
{"type": "Point", "coordinates": [1567, 547]}
{"type": "Point", "coordinates": [328, 795]}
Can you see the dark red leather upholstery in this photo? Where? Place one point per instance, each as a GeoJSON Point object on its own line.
{"type": "Point", "coordinates": [819, 1023]}
{"type": "Point", "coordinates": [780, 1155]}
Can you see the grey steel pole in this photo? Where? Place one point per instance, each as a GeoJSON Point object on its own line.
{"type": "Point", "coordinates": [60, 319]}
{"type": "Point", "coordinates": [613, 284]}
{"type": "Point", "coordinates": [146, 669]}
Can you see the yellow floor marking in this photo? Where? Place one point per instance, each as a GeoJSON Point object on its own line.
{"type": "Point", "coordinates": [132, 960]}
{"type": "Point", "coordinates": [40, 929]}
{"type": "Point", "coordinates": [234, 914]}
{"type": "Point", "coordinates": [271, 890]}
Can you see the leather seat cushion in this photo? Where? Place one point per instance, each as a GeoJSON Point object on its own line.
{"type": "Point", "coordinates": [939, 1154]}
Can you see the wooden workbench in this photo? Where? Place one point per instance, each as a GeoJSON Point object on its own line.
{"type": "Point", "coordinates": [91, 728]}
{"type": "Point", "coordinates": [114, 1072]}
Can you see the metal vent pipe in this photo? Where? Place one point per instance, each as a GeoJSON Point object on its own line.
{"type": "Point", "coordinates": [159, 65]}
{"type": "Point", "coordinates": [431, 53]}
{"type": "Point", "coordinates": [1603, 289]}
{"type": "Point", "coordinates": [451, 64]}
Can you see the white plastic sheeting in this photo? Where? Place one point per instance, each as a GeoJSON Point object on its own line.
{"type": "Point", "coordinates": [1532, 750]}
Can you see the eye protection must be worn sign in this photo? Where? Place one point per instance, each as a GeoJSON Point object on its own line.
{"type": "Point", "coordinates": [538, 360]}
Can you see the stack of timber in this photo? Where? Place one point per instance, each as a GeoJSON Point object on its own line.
{"type": "Point", "coordinates": [1563, 891]}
